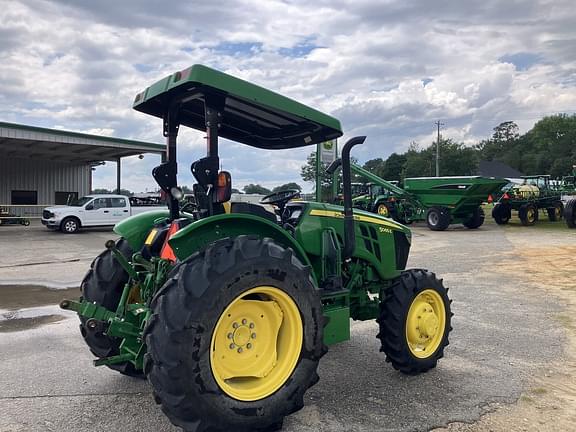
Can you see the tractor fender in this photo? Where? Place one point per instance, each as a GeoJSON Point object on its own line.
{"type": "Point", "coordinates": [136, 228]}
{"type": "Point", "coordinates": [203, 232]}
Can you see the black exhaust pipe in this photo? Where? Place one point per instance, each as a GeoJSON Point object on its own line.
{"type": "Point", "coordinates": [349, 233]}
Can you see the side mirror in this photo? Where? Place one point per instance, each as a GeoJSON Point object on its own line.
{"type": "Point", "coordinates": [223, 187]}
{"type": "Point", "coordinates": [89, 206]}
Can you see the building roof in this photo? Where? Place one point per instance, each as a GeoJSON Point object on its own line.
{"type": "Point", "coordinates": [498, 169]}
{"type": "Point", "coordinates": [22, 141]}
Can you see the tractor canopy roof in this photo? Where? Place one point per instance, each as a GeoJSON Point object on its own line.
{"type": "Point", "coordinates": [251, 114]}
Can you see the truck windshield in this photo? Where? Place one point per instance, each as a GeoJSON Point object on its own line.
{"type": "Point", "coordinates": [80, 201]}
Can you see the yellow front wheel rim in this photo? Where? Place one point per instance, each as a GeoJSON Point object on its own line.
{"type": "Point", "coordinates": [256, 343]}
{"type": "Point", "coordinates": [382, 210]}
{"type": "Point", "coordinates": [425, 323]}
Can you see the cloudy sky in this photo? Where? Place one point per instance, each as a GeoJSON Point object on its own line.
{"type": "Point", "coordinates": [386, 68]}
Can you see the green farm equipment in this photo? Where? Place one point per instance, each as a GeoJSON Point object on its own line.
{"type": "Point", "coordinates": [227, 309]}
{"type": "Point", "coordinates": [440, 201]}
{"type": "Point", "coordinates": [534, 194]}
{"type": "Point", "coordinates": [570, 213]}
{"type": "Point", "coordinates": [373, 199]}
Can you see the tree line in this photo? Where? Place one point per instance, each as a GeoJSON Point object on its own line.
{"type": "Point", "coordinates": [547, 148]}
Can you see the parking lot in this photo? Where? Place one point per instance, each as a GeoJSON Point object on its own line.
{"type": "Point", "coordinates": [511, 363]}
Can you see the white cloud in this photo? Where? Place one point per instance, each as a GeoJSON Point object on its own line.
{"type": "Point", "coordinates": [79, 64]}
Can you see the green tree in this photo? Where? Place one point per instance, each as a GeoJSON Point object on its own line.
{"type": "Point", "coordinates": [394, 166]}
{"type": "Point", "coordinates": [256, 189]}
{"type": "Point", "coordinates": [308, 174]}
{"type": "Point", "coordinates": [503, 140]}
{"type": "Point", "coordinates": [287, 186]}
{"type": "Point", "coordinates": [375, 166]}
{"type": "Point", "coordinates": [100, 191]}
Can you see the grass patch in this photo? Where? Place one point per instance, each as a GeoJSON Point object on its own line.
{"type": "Point", "coordinates": [539, 391]}
{"type": "Point", "coordinates": [527, 399]}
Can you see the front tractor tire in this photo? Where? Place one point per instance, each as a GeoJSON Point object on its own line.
{"type": "Point", "coordinates": [570, 213]}
{"type": "Point", "coordinates": [415, 321]}
{"type": "Point", "coordinates": [103, 284]}
{"type": "Point", "coordinates": [528, 214]}
{"type": "Point", "coordinates": [556, 212]}
{"type": "Point", "coordinates": [235, 338]}
{"type": "Point", "coordinates": [502, 213]}
{"type": "Point", "coordinates": [476, 219]}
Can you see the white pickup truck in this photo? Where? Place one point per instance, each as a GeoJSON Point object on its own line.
{"type": "Point", "coordinates": [92, 211]}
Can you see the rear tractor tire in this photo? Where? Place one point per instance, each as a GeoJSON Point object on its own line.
{"type": "Point", "coordinates": [437, 218]}
{"type": "Point", "coordinates": [528, 214]}
{"type": "Point", "coordinates": [103, 284]}
{"type": "Point", "coordinates": [556, 212]}
{"type": "Point", "coordinates": [235, 338]}
{"type": "Point", "coordinates": [382, 209]}
{"type": "Point", "coordinates": [415, 321]}
{"type": "Point", "coordinates": [476, 220]}
{"type": "Point", "coordinates": [570, 213]}
{"type": "Point", "coordinates": [501, 213]}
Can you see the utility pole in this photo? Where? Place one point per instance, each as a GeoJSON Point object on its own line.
{"type": "Point", "coordinates": [438, 149]}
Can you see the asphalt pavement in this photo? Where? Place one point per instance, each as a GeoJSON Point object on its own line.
{"type": "Point", "coordinates": [504, 334]}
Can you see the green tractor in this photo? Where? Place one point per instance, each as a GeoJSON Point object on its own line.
{"type": "Point", "coordinates": [227, 309]}
{"type": "Point", "coordinates": [374, 199]}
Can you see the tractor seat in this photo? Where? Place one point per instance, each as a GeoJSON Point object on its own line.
{"type": "Point", "coordinates": [253, 209]}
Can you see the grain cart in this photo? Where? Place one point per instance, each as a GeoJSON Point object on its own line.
{"type": "Point", "coordinates": [534, 194]}
{"type": "Point", "coordinates": [440, 201]}
{"type": "Point", "coordinates": [228, 309]}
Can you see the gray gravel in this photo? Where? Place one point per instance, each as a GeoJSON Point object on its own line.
{"type": "Point", "coordinates": [502, 336]}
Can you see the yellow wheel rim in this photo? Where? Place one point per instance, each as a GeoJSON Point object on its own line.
{"type": "Point", "coordinates": [382, 210]}
{"type": "Point", "coordinates": [425, 324]}
{"type": "Point", "coordinates": [531, 215]}
{"type": "Point", "coordinates": [256, 343]}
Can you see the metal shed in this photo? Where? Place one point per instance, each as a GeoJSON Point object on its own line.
{"type": "Point", "coordinates": [40, 166]}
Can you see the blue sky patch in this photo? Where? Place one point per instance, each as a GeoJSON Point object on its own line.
{"type": "Point", "coordinates": [522, 60]}
{"type": "Point", "coordinates": [299, 50]}
{"type": "Point", "coordinates": [144, 68]}
{"type": "Point", "coordinates": [426, 81]}
{"type": "Point", "coordinates": [237, 48]}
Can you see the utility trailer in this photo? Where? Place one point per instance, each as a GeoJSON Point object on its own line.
{"type": "Point", "coordinates": [535, 194]}
{"type": "Point", "coordinates": [440, 201]}
{"type": "Point", "coordinates": [228, 309]}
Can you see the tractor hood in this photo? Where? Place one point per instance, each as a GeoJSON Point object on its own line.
{"type": "Point", "coordinates": [252, 115]}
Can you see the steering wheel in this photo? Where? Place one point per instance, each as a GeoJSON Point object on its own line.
{"type": "Point", "coordinates": [280, 198]}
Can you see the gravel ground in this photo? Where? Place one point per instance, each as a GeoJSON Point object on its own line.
{"type": "Point", "coordinates": [505, 334]}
